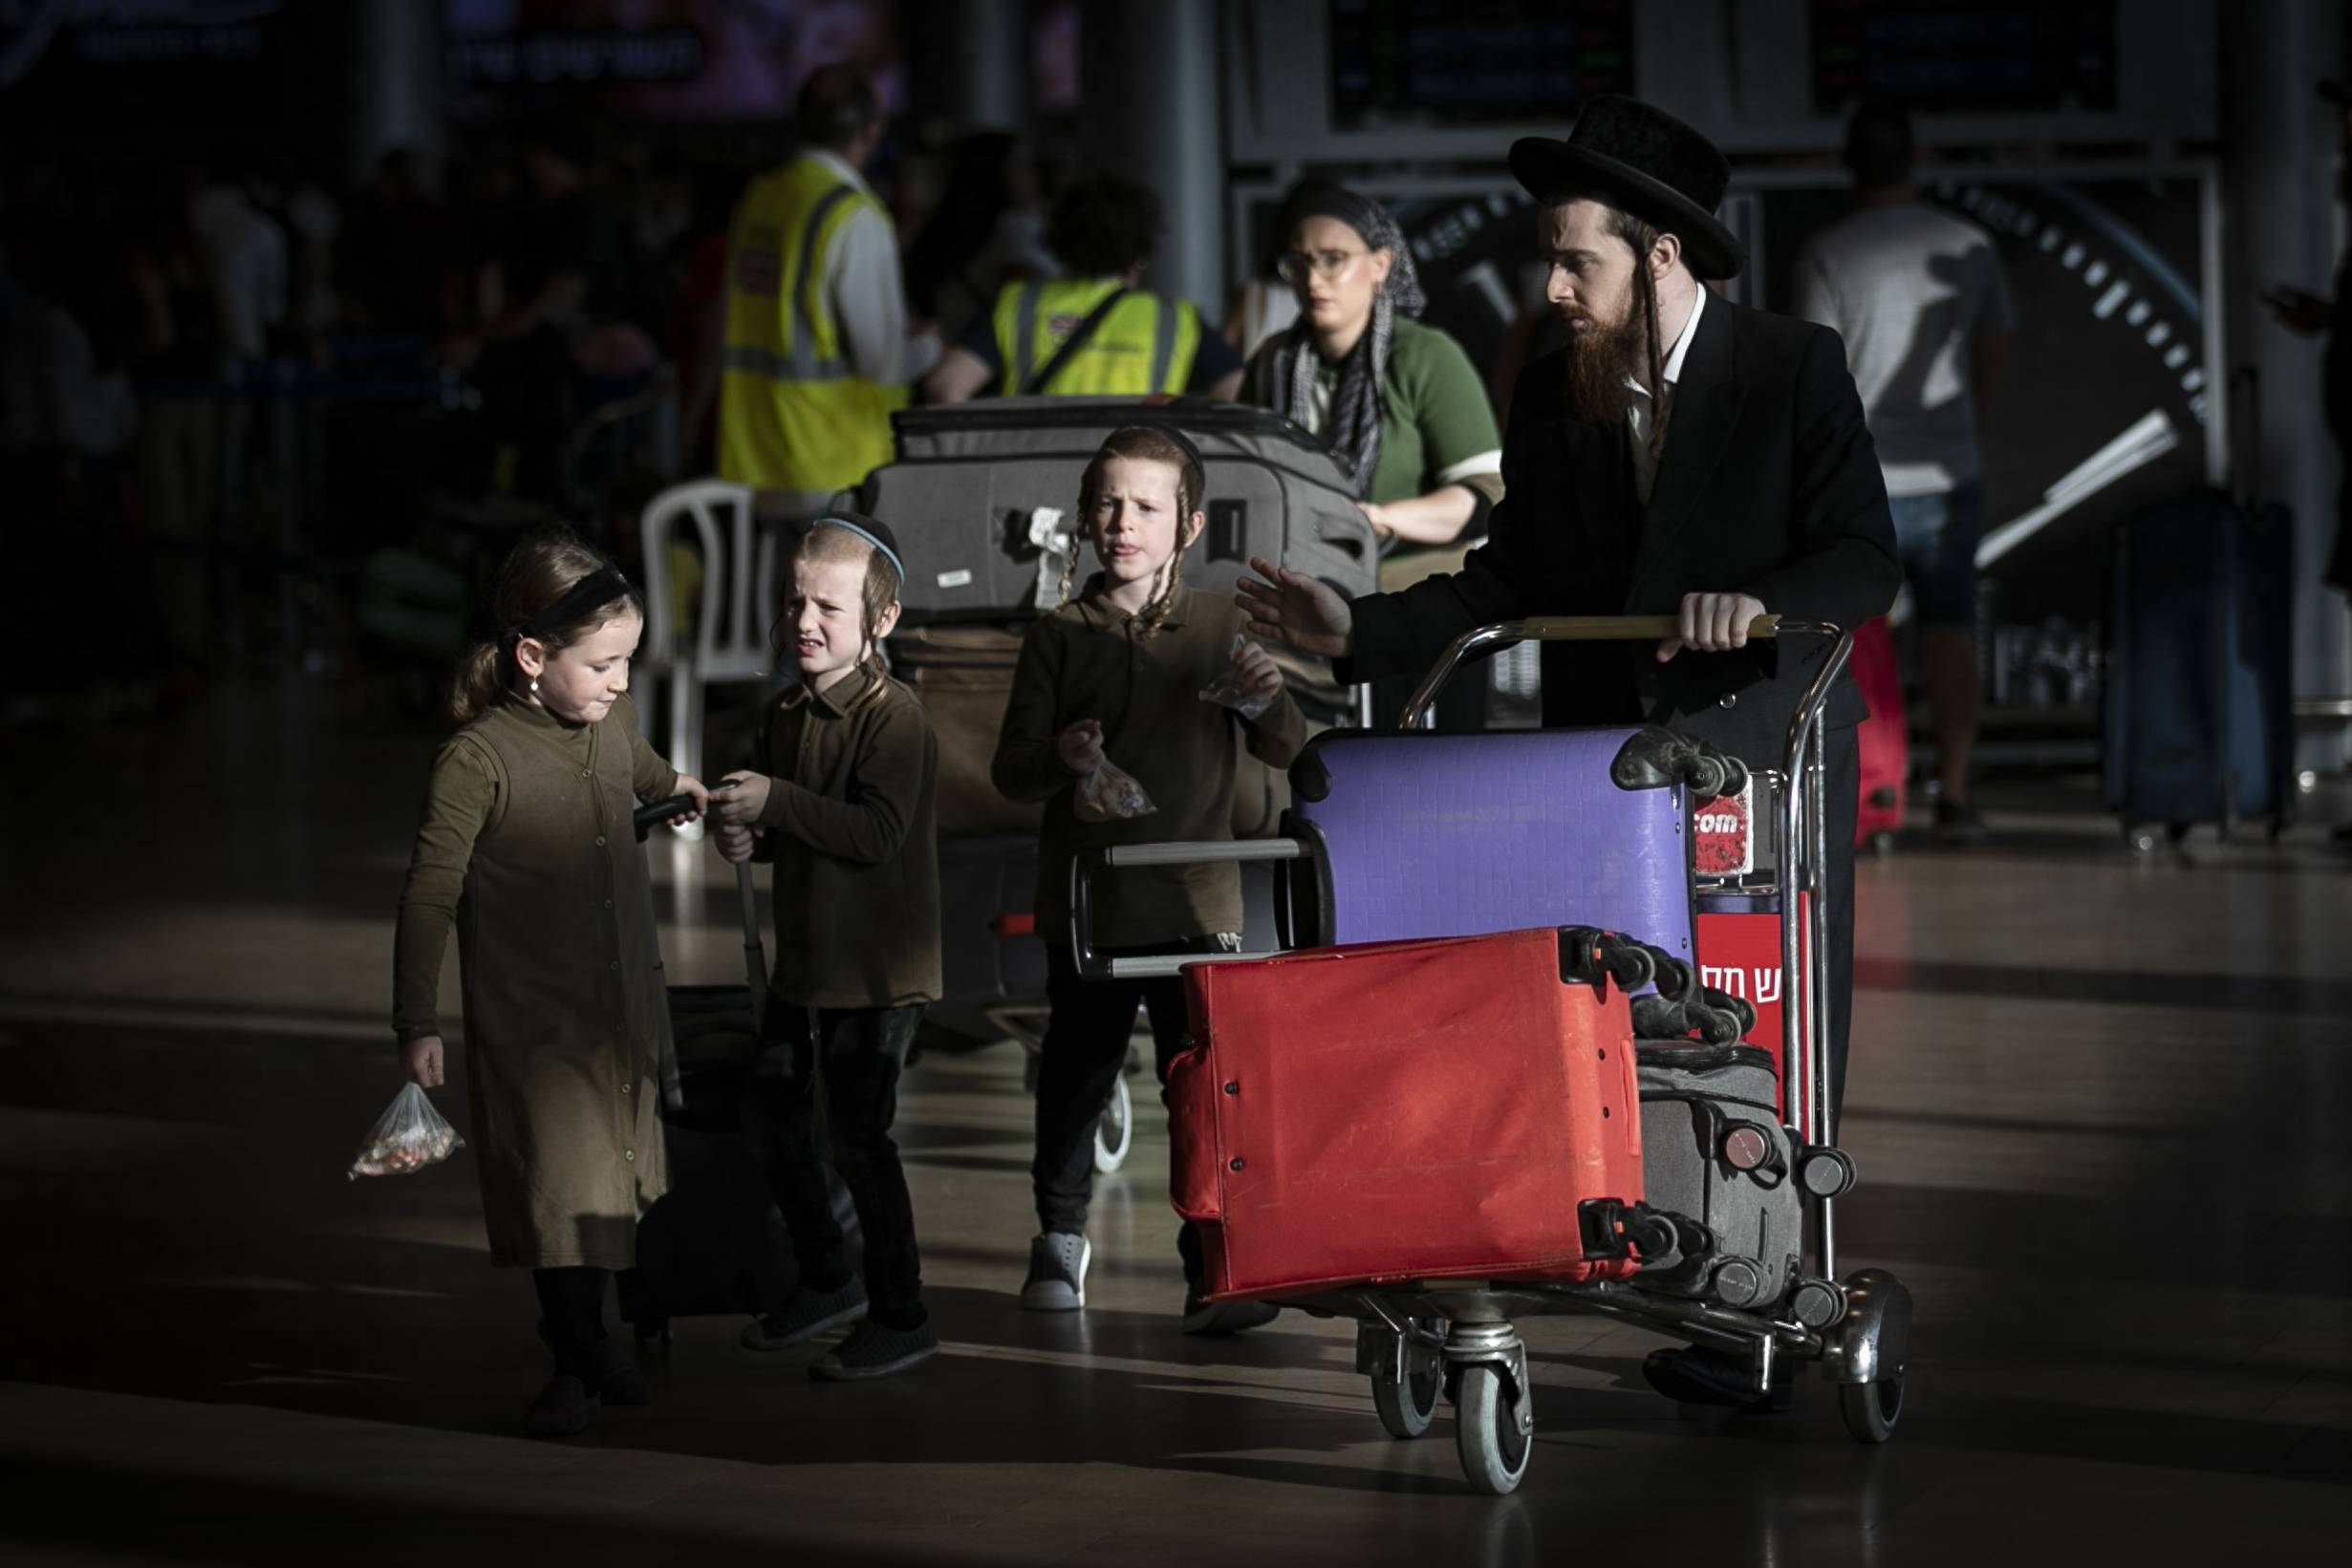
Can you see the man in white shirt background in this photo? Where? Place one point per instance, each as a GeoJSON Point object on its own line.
{"type": "Point", "coordinates": [1920, 298]}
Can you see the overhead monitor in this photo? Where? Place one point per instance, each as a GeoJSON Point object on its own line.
{"type": "Point", "coordinates": [1934, 55]}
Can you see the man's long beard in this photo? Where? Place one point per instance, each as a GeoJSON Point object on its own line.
{"type": "Point", "coordinates": [1599, 361]}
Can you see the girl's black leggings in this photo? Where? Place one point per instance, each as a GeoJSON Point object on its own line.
{"type": "Point", "coordinates": [571, 1307]}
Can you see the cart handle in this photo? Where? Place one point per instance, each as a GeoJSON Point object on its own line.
{"type": "Point", "coordinates": [1498, 635]}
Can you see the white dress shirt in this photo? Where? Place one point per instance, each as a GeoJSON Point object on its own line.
{"type": "Point", "coordinates": [1645, 462]}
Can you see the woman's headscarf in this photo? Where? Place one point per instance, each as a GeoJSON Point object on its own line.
{"type": "Point", "coordinates": [1353, 431]}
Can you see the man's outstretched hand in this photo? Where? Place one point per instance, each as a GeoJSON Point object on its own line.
{"type": "Point", "coordinates": [1292, 608]}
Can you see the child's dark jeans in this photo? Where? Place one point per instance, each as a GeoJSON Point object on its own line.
{"type": "Point", "coordinates": [1084, 1050]}
{"type": "Point", "coordinates": [856, 1054]}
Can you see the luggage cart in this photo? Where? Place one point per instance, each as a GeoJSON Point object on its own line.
{"type": "Point", "coordinates": [1418, 1339]}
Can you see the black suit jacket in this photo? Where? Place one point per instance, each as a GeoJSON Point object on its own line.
{"type": "Point", "coordinates": [1768, 486]}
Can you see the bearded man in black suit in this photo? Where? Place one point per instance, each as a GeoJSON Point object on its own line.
{"type": "Point", "coordinates": [1682, 455]}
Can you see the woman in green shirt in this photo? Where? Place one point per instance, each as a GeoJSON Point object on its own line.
{"type": "Point", "coordinates": [1398, 404]}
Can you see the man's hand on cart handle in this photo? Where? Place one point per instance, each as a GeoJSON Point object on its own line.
{"type": "Point", "coordinates": [421, 1060]}
{"type": "Point", "coordinates": [1712, 623]}
{"type": "Point", "coordinates": [1293, 608]}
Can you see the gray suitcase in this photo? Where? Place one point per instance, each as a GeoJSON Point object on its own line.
{"type": "Point", "coordinates": [965, 493]}
{"type": "Point", "coordinates": [963, 677]}
{"type": "Point", "coordinates": [1713, 1151]}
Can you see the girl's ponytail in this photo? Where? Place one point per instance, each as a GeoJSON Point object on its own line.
{"type": "Point", "coordinates": [480, 682]}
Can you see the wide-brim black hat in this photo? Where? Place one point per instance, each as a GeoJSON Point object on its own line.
{"type": "Point", "coordinates": [1648, 163]}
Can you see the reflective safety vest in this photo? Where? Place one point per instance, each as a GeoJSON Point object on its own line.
{"type": "Point", "coordinates": [1145, 345]}
{"type": "Point", "coordinates": [793, 413]}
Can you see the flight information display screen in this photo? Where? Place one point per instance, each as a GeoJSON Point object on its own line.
{"type": "Point", "coordinates": [1474, 63]}
{"type": "Point", "coordinates": [1988, 55]}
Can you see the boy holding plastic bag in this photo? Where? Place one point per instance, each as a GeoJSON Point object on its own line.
{"type": "Point", "coordinates": [1129, 709]}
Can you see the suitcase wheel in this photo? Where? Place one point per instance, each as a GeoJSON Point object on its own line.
{"type": "Point", "coordinates": [1486, 1431]}
{"type": "Point", "coordinates": [1406, 1408]}
{"type": "Point", "coordinates": [1115, 1132]}
{"type": "Point", "coordinates": [1871, 1408]}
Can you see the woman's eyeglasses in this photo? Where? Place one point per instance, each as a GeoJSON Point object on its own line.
{"type": "Point", "coordinates": [1330, 266]}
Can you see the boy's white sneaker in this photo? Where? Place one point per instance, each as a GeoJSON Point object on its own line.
{"type": "Point", "coordinates": [1057, 1280]}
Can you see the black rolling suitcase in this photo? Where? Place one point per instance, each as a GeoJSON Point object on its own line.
{"type": "Point", "coordinates": [713, 1244]}
{"type": "Point", "coordinates": [2199, 720]}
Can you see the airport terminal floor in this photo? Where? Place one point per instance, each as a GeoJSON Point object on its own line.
{"type": "Point", "coordinates": [2098, 1105]}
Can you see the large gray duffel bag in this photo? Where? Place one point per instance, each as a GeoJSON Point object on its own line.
{"type": "Point", "coordinates": [966, 493]}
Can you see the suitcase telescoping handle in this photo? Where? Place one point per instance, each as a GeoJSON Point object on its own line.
{"type": "Point", "coordinates": [1087, 866]}
{"type": "Point", "coordinates": [645, 819]}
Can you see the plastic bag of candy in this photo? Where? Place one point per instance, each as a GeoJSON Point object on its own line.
{"type": "Point", "coordinates": [1226, 691]}
{"type": "Point", "coordinates": [407, 1137]}
{"type": "Point", "coordinates": [1109, 793]}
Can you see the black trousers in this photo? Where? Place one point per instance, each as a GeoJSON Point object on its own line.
{"type": "Point", "coordinates": [1841, 805]}
{"type": "Point", "coordinates": [853, 1056]}
{"type": "Point", "coordinates": [1085, 1049]}
{"type": "Point", "coordinates": [572, 1305]}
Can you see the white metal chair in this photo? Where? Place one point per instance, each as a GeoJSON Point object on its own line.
{"type": "Point", "coordinates": [739, 579]}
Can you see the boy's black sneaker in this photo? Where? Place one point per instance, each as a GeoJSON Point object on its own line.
{"type": "Point", "coordinates": [1206, 1317]}
{"type": "Point", "coordinates": [873, 1351]}
{"type": "Point", "coordinates": [564, 1407]}
{"type": "Point", "coordinates": [806, 1316]}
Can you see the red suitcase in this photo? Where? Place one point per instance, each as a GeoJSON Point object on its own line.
{"type": "Point", "coordinates": [1884, 739]}
{"type": "Point", "coordinates": [1443, 1110]}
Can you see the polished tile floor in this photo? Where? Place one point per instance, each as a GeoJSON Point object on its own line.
{"type": "Point", "coordinates": [2103, 1109]}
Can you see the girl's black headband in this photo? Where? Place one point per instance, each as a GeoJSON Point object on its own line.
{"type": "Point", "coordinates": [592, 592]}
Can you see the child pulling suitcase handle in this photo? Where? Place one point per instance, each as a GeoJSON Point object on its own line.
{"type": "Point", "coordinates": [644, 820]}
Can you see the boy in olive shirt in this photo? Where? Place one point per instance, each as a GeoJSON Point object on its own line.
{"type": "Point", "coordinates": [841, 802]}
{"type": "Point", "coordinates": [1115, 675]}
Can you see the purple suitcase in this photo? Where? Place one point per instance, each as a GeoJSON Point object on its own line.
{"type": "Point", "coordinates": [1419, 835]}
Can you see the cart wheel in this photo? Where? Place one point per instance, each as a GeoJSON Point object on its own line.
{"type": "Point", "coordinates": [2141, 840]}
{"type": "Point", "coordinates": [1116, 1133]}
{"type": "Point", "coordinates": [1486, 1433]}
{"type": "Point", "coordinates": [1871, 1408]}
{"type": "Point", "coordinates": [1408, 1408]}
